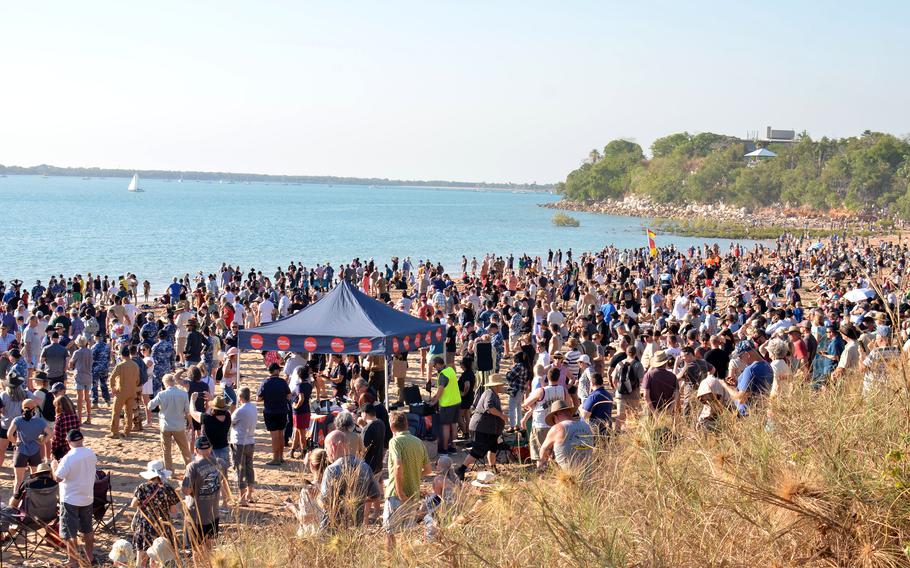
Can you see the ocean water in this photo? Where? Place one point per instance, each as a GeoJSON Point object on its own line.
{"type": "Point", "coordinates": [67, 225]}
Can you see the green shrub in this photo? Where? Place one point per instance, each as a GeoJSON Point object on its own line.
{"type": "Point", "coordinates": [563, 220]}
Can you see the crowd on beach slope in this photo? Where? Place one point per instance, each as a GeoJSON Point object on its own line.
{"type": "Point", "coordinates": [563, 351]}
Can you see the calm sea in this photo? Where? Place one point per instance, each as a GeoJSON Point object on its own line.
{"type": "Point", "coordinates": [69, 225]}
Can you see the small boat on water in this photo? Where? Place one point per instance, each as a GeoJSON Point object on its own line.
{"type": "Point", "coordinates": [134, 184]}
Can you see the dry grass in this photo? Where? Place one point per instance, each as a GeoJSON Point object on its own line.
{"type": "Point", "coordinates": [823, 483]}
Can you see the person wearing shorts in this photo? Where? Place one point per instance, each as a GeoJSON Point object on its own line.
{"type": "Point", "coordinates": [448, 396]}
{"type": "Point", "coordinates": [76, 474]}
{"type": "Point", "coordinates": [30, 430]}
{"type": "Point", "coordinates": [275, 393]}
{"type": "Point", "coordinates": [487, 423]}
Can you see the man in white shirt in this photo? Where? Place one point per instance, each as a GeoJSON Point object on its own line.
{"type": "Point", "coordinates": [173, 406]}
{"type": "Point", "coordinates": [242, 440]}
{"type": "Point", "coordinates": [239, 313]}
{"type": "Point", "coordinates": [76, 474]}
{"type": "Point", "coordinates": [266, 307]}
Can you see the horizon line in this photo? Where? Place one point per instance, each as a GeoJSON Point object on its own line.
{"type": "Point", "coordinates": [49, 169]}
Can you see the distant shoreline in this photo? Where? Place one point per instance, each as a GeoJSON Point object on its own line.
{"type": "Point", "coordinates": [231, 177]}
{"type": "Point", "coordinates": [718, 220]}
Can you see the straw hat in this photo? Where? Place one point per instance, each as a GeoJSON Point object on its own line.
{"type": "Point", "coordinates": [218, 403]}
{"type": "Point", "coordinates": [43, 467]}
{"type": "Point", "coordinates": [496, 380]}
{"type": "Point", "coordinates": [556, 407]}
{"type": "Point", "coordinates": [660, 359]}
{"type": "Point", "coordinates": [155, 468]}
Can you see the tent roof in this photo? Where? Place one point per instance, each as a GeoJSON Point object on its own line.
{"type": "Point", "coordinates": [344, 315]}
{"type": "Point", "coordinates": [761, 153]}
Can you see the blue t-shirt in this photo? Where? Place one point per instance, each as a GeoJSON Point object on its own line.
{"type": "Point", "coordinates": [600, 404]}
{"type": "Point", "coordinates": [757, 378]}
{"type": "Point", "coordinates": [28, 431]}
{"type": "Point", "coordinates": [174, 290]}
{"type": "Point", "coordinates": [274, 392]}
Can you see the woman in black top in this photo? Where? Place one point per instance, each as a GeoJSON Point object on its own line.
{"type": "Point", "coordinates": [467, 383]}
{"type": "Point", "coordinates": [300, 407]}
{"type": "Point", "coordinates": [201, 389]}
{"type": "Point", "coordinates": [215, 419]}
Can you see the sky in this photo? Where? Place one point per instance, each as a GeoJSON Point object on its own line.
{"type": "Point", "coordinates": [496, 91]}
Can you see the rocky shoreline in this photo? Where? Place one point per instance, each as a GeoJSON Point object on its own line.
{"type": "Point", "coordinates": [778, 217]}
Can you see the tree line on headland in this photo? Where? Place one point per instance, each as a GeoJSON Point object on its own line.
{"type": "Point", "coordinates": [869, 173]}
{"type": "Point", "coordinates": [45, 169]}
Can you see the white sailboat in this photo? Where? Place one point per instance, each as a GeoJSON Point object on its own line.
{"type": "Point", "coordinates": [134, 184]}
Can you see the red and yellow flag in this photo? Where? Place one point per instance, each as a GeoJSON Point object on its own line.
{"type": "Point", "coordinates": [652, 247]}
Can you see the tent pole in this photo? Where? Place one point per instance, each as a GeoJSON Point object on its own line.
{"type": "Point", "coordinates": [387, 362]}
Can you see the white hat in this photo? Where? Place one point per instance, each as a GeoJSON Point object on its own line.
{"type": "Point", "coordinates": [484, 479]}
{"type": "Point", "coordinates": [161, 551]}
{"type": "Point", "coordinates": [122, 552]}
{"type": "Point", "coordinates": [584, 359]}
{"type": "Point", "coordinates": [154, 469]}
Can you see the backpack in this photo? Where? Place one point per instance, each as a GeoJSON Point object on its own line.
{"type": "Point", "coordinates": [628, 381]}
{"type": "Point", "coordinates": [47, 409]}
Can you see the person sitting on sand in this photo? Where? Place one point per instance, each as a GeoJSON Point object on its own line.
{"type": "Point", "coordinates": [446, 483]}
{"type": "Point", "coordinates": [307, 510]}
{"type": "Point", "coordinates": [348, 485]}
{"type": "Point", "coordinates": [569, 441]}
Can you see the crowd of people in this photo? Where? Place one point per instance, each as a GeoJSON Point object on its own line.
{"type": "Point", "coordinates": [558, 351]}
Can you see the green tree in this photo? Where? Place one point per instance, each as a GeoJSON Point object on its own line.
{"type": "Point", "coordinates": [668, 144]}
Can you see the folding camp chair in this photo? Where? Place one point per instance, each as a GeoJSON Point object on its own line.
{"type": "Point", "coordinates": [103, 503]}
{"type": "Point", "coordinates": [37, 523]}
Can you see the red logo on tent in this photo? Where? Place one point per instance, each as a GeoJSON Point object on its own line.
{"type": "Point", "coordinates": [429, 338]}
{"type": "Point", "coordinates": [256, 341]}
{"type": "Point", "coordinates": [417, 340]}
{"type": "Point", "coordinates": [394, 345]}
{"type": "Point", "coordinates": [365, 345]}
{"type": "Point", "coordinates": [283, 343]}
{"type": "Point", "coordinates": [309, 344]}
{"type": "Point", "coordinates": [338, 345]}
{"type": "Point", "coordinates": [407, 343]}
{"type": "Point", "coordinates": [439, 334]}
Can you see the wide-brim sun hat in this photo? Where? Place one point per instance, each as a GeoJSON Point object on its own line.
{"type": "Point", "coordinates": [155, 468]}
{"type": "Point", "coordinates": [556, 407]}
{"type": "Point", "coordinates": [660, 359]}
{"type": "Point", "coordinates": [496, 380]}
{"type": "Point", "coordinates": [122, 552]}
{"type": "Point", "coordinates": [161, 551]}
{"type": "Point", "coordinates": [218, 403]}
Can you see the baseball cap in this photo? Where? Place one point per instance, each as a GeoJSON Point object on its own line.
{"type": "Point", "coordinates": [58, 387]}
{"type": "Point", "coordinates": [74, 436]}
{"type": "Point", "coordinates": [202, 443]}
{"type": "Point", "coordinates": [584, 359]}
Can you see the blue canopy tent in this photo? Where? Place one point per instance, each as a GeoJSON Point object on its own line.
{"type": "Point", "coordinates": [345, 321]}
